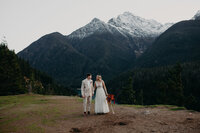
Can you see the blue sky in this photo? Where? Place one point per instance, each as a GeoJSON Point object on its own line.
{"type": "Point", "coordinates": [25, 21]}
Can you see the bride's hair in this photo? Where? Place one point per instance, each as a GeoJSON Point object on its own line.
{"type": "Point", "coordinates": [98, 76]}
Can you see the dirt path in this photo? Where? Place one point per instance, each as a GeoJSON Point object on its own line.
{"type": "Point", "coordinates": [61, 114]}
{"type": "Point", "coordinates": [132, 120]}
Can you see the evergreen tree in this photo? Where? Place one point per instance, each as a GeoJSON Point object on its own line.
{"type": "Point", "coordinates": [178, 85]}
{"type": "Point", "coordinates": [10, 72]}
{"type": "Point", "coordinates": [128, 94]}
{"type": "Point", "coordinates": [175, 86]}
{"type": "Point", "coordinates": [18, 77]}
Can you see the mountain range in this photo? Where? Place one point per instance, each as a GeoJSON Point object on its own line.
{"type": "Point", "coordinates": [179, 44]}
{"type": "Point", "coordinates": [98, 47]}
{"type": "Point", "coordinates": [168, 72]}
{"type": "Point", "coordinates": [136, 30]}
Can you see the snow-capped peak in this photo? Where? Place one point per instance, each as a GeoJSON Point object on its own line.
{"type": "Point", "coordinates": [95, 26]}
{"type": "Point", "coordinates": [197, 16]}
{"type": "Point", "coordinates": [137, 26]}
{"type": "Point", "coordinates": [126, 24]}
{"type": "Point", "coordinates": [96, 20]}
{"type": "Point", "coordinates": [127, 14]}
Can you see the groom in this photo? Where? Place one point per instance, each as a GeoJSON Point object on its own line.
{"type": "Point", "coordinates": [87, 91]}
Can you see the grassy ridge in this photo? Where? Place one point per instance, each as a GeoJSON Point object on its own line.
{"type": "Point", "coordinates": [37, 113]}
{"type": "Point", "coordinates": [32, 113]}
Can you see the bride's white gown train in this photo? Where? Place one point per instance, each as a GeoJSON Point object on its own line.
{"type": "Point", "coordinates": [101, 105]}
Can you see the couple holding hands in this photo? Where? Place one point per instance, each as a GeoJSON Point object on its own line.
{"type": "Point", "coordinates": [87, 91]}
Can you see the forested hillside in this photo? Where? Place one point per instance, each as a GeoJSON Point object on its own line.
{"type": "Point", "coordinates": [175, 85]}
{"type": "Point", "coordinates": [17, 76]}
{"type": "Point", "coordinates": [180, 43]}
{"type": "Point", "coordinates": [167, 73]}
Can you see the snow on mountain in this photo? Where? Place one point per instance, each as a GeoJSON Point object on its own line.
{"type": "Point", "coordinates": [137, 26]}
{"type": "Point", "coordinates": [95, 26]}
{"type": "Point", "coordinates": [196, 16]}
{"type": "Point", "coordinates": [125, 24]}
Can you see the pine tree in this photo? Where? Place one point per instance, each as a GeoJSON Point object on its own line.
{"type": "Point", "coordinates": [175, 86]}
{"type": "Point", "coordinates": [10, 72]}
{"type": "Point", "coordinates": [17, 76]}
{"type": "Point", "coordinates": [128, 94]}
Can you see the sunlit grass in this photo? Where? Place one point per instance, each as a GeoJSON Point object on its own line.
{"type": "Point", "coordinates": [10, 101]}
{"type": "Point", "coordinates": [178, 108]}
{"type": "Point", "coordinates": [170, 107]}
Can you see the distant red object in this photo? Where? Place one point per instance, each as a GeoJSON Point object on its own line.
{"type": "Point", "coordinates": [111, 98]}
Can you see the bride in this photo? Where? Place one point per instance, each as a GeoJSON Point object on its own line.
{"type": "Point", "coordinates": [101, 105]}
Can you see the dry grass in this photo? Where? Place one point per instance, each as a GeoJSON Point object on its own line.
{"type": "Point", "coordinates": [34, 112]}
{"type": "Point", "coordinates": [50, 114]}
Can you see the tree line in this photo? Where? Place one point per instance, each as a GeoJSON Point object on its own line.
{"type": "Point", "coordinates": [173, 85]}
{"type": "Point", "coordinates": [18, 77]}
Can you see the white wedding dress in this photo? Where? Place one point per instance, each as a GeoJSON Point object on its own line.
{"type": "Point", "coordinates": [101, 105]}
